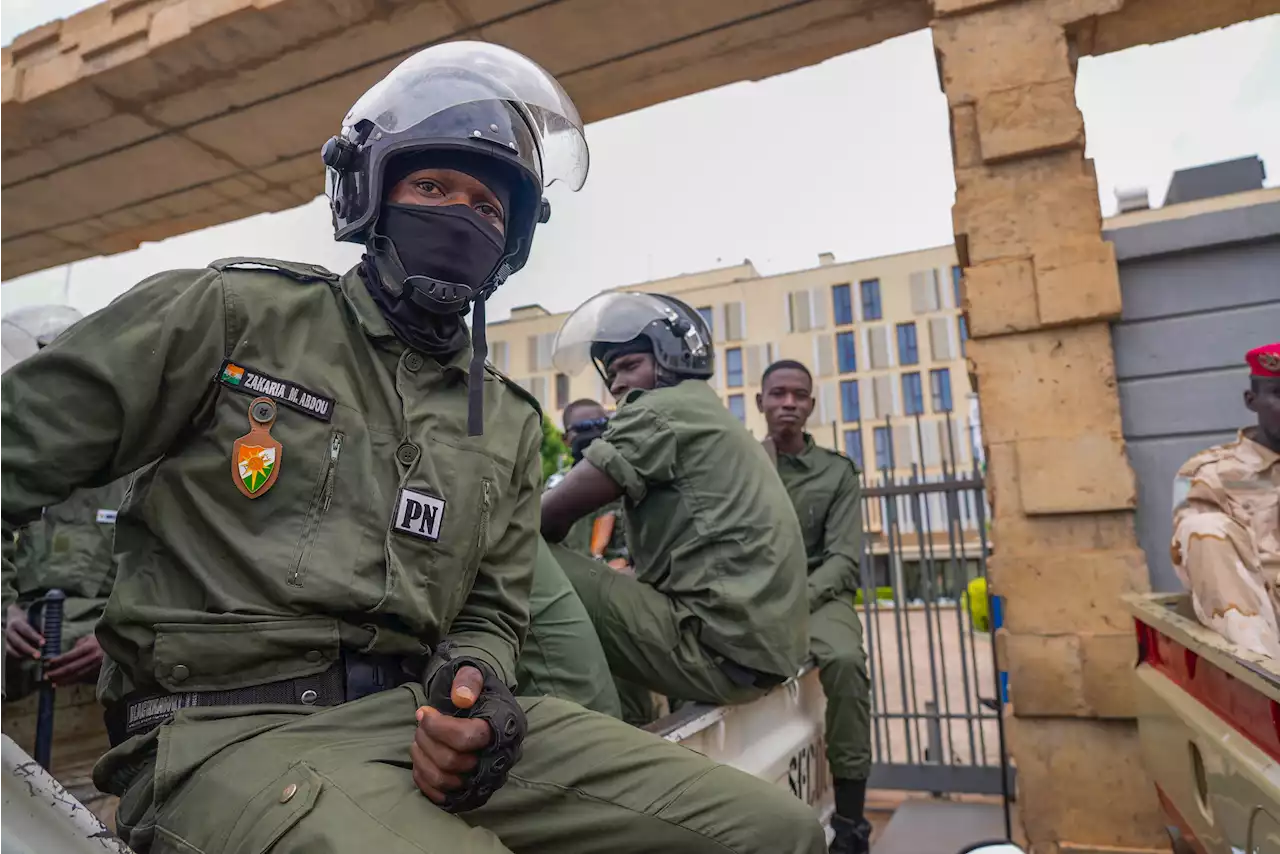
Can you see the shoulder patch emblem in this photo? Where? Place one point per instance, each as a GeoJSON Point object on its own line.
{"type": "Point", "coordinates": [255, 456]}
{"type": "Point", "coordinates": [244, 379]}
{"type": "Point", "coordinates": [106, 517]}
{"type": "Point", "coordinates": [418, 514]}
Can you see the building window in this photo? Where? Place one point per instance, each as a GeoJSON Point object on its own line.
{"type": "Point", "coordinates": [562, 391]}
{"type": "Point", "coordinates": [884, 448]}
{"type": "Point", "coordinates": [708, 317]}
{"type": "Point", "coordinates": [957, 276]}
{"type": "Point", "coordinates": [498, 355]}
{"type": "Point", "coordinates": [871, 300]}
{"type": "Point", "coordinates": [846, 352]}
{"type": "Point", "coordinates": [540, 350]}
{"type": "Point", "coordinates": [849, 410]}
{"type": "Point", "coordinates": [738, 406]}
{"type": "Point", "coordinates": [912, 395]}
{"type": "Point", "coordinates": [853, 446]}
{"type": "Point", "coordinates": [908, 351]}
{"type": "Point", "coordinates": [842, 305]}
{"type": "Point", "coordinates": [964, 334]}
{"type": "Point", "coordinates": [733, 367]}
{"type": "Point", "coordinates": [940, 389]}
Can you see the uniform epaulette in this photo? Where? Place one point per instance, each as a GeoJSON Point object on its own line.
{"type": "Point", "coordinates": [1202, 459]}
{"type": "Point", "coordinates": [292, 269]}
{"type": "Point", "coordinates": [520, 390]}
{"type": "Point", "coordinates": [840, 456]}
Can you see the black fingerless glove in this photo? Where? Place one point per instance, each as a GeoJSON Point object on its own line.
{"type": "Point", "coordinates": [497, 707]}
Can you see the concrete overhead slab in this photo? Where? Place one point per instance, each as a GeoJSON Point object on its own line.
{"type": "Point", "coordinates": [137, 120]}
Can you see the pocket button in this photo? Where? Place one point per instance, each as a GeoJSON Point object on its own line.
{"type": "Point", "coordinates": [180, 673]}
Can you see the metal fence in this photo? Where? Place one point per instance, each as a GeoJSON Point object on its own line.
{"type": "Point", "coordinates": [936, 722]}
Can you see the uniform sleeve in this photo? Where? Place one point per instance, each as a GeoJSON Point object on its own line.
{"type": "Point", "coordinates": [638, 449]}
{"type": "Point", "coordinates": [841, 544]}
{"type": "Point", "coordinates": [109, 395]}
{"type": "Point", "coordinates": [492, 623]}
{"type": "Point", "coordinates": [1215, 558]}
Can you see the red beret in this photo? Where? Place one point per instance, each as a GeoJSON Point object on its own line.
{"type": "Point", "coordinates": [1264, 361]}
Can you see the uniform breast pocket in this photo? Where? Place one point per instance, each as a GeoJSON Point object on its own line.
{"type": "Point", "coordinates": [1264, 512]}
{"type": "Point", "coordinates": [442, 522]}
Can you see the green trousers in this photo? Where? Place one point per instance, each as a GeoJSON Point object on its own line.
{"type": "Point", "coordinates": [835, 639]}
{"type": "Point", "coordinates": [291, 780]}
{"type": "Point", "coordinates": [562, 655]}
{"type": "Point", "coordinates": [650, 642]}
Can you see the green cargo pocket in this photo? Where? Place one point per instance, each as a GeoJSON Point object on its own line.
{"type": "Point", "coordinates": [223, 656]}
{"type": "Point", "coordinates": [255, 829]}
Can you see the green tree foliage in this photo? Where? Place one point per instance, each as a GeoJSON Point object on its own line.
{"type": "Point", "coordinates": [555, 453]}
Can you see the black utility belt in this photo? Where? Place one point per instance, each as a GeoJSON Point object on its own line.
{"type": "Point", "coordinates": [746, 677]}
{"type": "Point", "coordinates": [350, 678]}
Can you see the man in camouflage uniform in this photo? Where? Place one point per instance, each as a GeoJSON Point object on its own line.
{"type": "Point", "coordinates": [324, 567]}
{"type": "Point", "coordinates": [716, 611]}
{"type": "Point", "coordinates": [1226, 520]}
{"type": "Point", "coordinates": [602, 534]}
{"type": "Point", "coordinates": [68, 548]}
{"type": "Point", "coordinates": [825, 489]}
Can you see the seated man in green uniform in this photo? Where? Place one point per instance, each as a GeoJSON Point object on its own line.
{"type": "Point", "coordinates": [824, 487]}
{"type": "Point", "coordinates": [68, 548]}
{"type": "Point", "coordinates": [716, 610]}
{"type": "Point", "coordinates": [323, 568]}
{"type": "Point", "coordinates": [601, 534]}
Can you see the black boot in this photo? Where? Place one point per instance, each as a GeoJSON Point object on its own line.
{"type": "Point", "coordinates": [852, 837]}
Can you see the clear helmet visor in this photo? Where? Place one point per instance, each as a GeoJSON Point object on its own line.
{"type": "Point", "coordinates": [17, 343]}
{"type": "Point", "coordinates": [455, 73]}
{"type": "Point", "coordinates": [608, 318]}
{"type": "Point", "coordinates": [42, 323]}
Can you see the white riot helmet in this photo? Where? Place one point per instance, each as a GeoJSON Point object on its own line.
{"type": "Point", "coordinates": [26, 330]}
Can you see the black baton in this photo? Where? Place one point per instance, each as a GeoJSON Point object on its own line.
{"type": "Point", "coordinates": [51, 628]}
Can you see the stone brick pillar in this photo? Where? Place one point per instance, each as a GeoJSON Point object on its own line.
{"type": "Point", "coordinates": [1040, 286]}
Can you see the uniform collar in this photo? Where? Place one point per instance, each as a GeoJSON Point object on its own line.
{"type": "Point", "coordinates": [376, 326]}
{"type": "Point", "coordinates": [804, 459]}
{"type": "Point", "coordinates": [1260, 454]}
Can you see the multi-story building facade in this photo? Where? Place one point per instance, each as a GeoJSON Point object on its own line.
{"type": "Point", "coordinates": [884, 338]}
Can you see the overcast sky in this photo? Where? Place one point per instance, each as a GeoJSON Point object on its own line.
{"type": "Point", "coordinates": [851, 156]}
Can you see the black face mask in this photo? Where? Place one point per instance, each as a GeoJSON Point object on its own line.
{"type": "Point", "coordinates": [451, 243]}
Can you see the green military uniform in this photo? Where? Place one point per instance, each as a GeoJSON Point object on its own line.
{"type": "Point", "coordinates": [716, 611]}
{"type": "Point", "coordinates": [68, 547]}
{"type": "Point", "coordinates": [825, 490]}
{"type": "Point", "coordinates": [356, 517]}
{"type": "Point", "coordinates": [579, 537]}
{"type": "Point", "coordinates": [560, 634]}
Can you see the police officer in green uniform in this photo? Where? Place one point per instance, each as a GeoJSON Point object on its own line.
{"type": "Point", "coordinates": [68, 547]}
{"type": "Point", "coordinates": [584, 422]}
{"type": "Point", "coordinates": [323, 571]}
{"type": "Point", "coordinates": [716, 610]}
{"type": "Point", "coordinates": [824, 487]}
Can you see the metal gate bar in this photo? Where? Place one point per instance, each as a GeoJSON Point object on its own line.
{"type": "Point", "coordinates": [936, 723]}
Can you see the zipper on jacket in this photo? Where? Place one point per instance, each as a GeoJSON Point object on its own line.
{"type": "Point", "coordinates": [311, 527]}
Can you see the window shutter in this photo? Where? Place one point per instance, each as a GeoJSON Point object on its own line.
{"type": "Point", "coordinates": [878, 341]}
{"type": "Point", "coordinates": [818, 306]}
{"type": "Point", "coordinates": [825, 355]}
{"type": "Point", "coordinates": [801, 312]}
{"type": "Point", "coordinates": [940, 339]}
{"type": "Point", "coordinates": [754, 368]}
{"type": "Point", "coordinates": [538, 388]}
{"type": "Point", "coordinates": [884, 397]}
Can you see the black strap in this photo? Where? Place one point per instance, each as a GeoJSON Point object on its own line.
{"type": "Point", "coordinates": [479, 352]}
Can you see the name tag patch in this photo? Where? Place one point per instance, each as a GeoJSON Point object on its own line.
{"type": "Point", "coordinates": [106, 517]}
{"type": "Point", "coordinates": [418, 514]}
{"type": "Point", "coordinates": [244, 379]}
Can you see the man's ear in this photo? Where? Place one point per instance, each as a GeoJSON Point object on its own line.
{"type": "Point", "coordinates": [759, 403]}
{"type": "Point", "coordinates": [1250, 400]}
